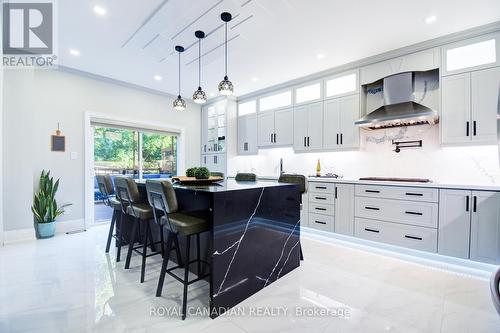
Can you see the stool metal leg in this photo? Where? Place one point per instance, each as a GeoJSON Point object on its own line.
{"type": "Point", "coordinates": [177, 250]}
{"type": "Point", "coordinates": [186, 276]}
{"type": "Point", "coordinates": [119, 236]}
{"type": "Point", "coordinates": [162, 243]}
{"type": "Point", "coordinates": [111, 229]}
{"type": "Point", "coordinates": [144, 251]}
{"type": "Point", "coordinates": [163, 272]}
{"type": "Point", "coordinates": [150, 234]}
{"type": "Point", "coordinates": [133, 234]}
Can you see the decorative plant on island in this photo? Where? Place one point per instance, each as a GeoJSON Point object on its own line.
{"type": "Point", "coordinates": [198, 173]}
{"type": "Point", "coordinates": [45, 209]}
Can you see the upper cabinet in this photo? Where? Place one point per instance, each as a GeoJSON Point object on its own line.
{"type": "Point", "coordinates": [469, 104]}
{"type": "Point", "coordinates": [247, 128]}
{"type": "Point", "coordinates": [341, 85]}
{"type": "Point", "coordinates": [420, 61]}
{"type": "Point", "coordinates": [308, 127]}
{"type": "Point", "coordinates": [275, 128]}
{"type": "Point", "coordinates": [214, 128]}
{"type": "Point", "coordinates": [471, 54]}
{"type": "Point", "coordinates": [339, 130]}
{"type": "Point", "coordinates": [308, 93]}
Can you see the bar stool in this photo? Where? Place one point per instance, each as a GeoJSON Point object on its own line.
{"type": "Point", "coordinates": [217, 174]}
{"type": "Point", "coordinates": [163, 198]}
{"type": "Point", "coordinates": [131, 204]}
{"type": "Point", "coordinates": [107, 191]}
{"type": "Point", "coordinates": [299, 180]}
{"type": "Point", "coordinates": [245, 177]}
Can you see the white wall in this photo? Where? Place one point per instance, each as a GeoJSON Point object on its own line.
{"type": "Point", "coordinates": [459, 165]}
{"type": "Point", "coordinates": [1, 138]}
{"type": "Point", "coordinates": [33, 104]}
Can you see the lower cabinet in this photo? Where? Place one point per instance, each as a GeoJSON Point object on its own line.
{"type": "Point", "coordinates": [454, 223]}
{"type": "Point", "coordinates": [344, 209]}
{"type": "Point", "coordinates": [485, 227]}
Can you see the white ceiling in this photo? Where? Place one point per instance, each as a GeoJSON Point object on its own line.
{"type": "Point", "coordinates": [272, 40]}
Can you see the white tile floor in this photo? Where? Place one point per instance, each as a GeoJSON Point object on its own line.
{"type": "Point", "coordinates": [68, 284]}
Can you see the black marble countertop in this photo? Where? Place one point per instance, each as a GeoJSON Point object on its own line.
{"type": "Point", "coordinates": [228, 185]}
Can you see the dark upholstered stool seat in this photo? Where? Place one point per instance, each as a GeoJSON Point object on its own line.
{"type": "Point", "coordinates": [294, 179]}
{"type": "Point", "coordinates": [142, 211]}
{"type": "Point", "coordinates": [245, 177]}
{"type": "Point", "coordinates": [115, 203]}
{"type": "Point", "coordinates": [185, 224]}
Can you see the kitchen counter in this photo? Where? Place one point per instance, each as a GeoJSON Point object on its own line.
{"type": "Point", "coordinates": [474, 187]}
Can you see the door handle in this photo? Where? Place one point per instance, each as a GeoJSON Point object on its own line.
{"type": "Point", "coordinates": [415, 194]}
{"type": "Point", "coordinates": [467, 128]}
{"type": "Point", "coordinates": [467, 203]}
{"type": "Point", "coordinates": [341, 138]}
{"type": "Point", "coordinates": [335, 192]}
{"type": "Point", "coordinates": [321, 187]}
{"type": "Point", "coordinates": [319, 208]}
{"type": "Point", "coordinates": [372, 191]}
{"type": "Point", "coordinates": [274, 137]}
{"type": "Point", "coordinates": [320, 198]}
{"type": "Point", "coordinates": [320, 222]}
{"type": "Point", "coordinates": [474, 126]}
{"type": "Point", "coordinates": [474, 208]}
{"type": "Point", "coordinates": [372, 230]}
{"type": "Point", "coordinates": [372, 208]}
{"type": "Point", "coordinates": [308, 142]}
{"type": "Point", "coordinates": [205, 159]}
{"type": "Point", "coordinates": [413, 213]}
{"type": "Point", "coordinates": [305, 141]}
{"type": "Point", "coordinates": [337, 138]}
{"type": "Point", "coordinates": [413, 237]}
{"type": "Point", "coordinates": [205, 148]}
{"type": "Point", "coordinates": [271, 137]}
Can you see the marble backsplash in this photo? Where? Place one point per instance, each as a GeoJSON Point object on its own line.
{"type": "Point", "coordinates": [375, 157]}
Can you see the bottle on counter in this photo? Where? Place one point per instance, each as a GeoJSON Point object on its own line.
{"type": "Point", "coordinates": [318, 169]}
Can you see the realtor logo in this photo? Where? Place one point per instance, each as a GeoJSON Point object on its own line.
{"type": "Point", "coordinates": [28, 34]}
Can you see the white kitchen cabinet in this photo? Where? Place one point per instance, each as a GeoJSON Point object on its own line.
{"type": "Point", "coordinates": [308, 127]}
{"type": "Point", "coordinates": [344, 209]}
{"type": "Point", "coordinates": [275, 128]}
{"type": "Point", "coordinates": [469, 107]}
{"type": "Point", "coordinates": [456, 109]}
{"type": "Point", "coordinates": [247, 134]}
{"type": "Point", "coordinates": [485, 227]}
{"type": "Point", "coordinates": [420, 61]}
{"type": "Point", "coordinates": [485, 85]}
{"type": "Point", "coordinates": [214, 162]}
{"type": "Point", "coordinates": [339, 130]}
{"type": "Point", "coordinates": [454, 222]}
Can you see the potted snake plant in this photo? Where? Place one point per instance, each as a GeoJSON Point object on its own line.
{"type": "Point", "coordinates": [45, 209]}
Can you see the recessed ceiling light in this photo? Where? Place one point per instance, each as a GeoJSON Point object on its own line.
{"type": "Point", "coordinates": [430, 19]}
{"type": "Point", "coordinates": [320, 56]}
{"type": "Point", "coordinates": [100, 10]}
{"type": "Point", "coordinates": [74, 52]}
{"type": "Point", "coordinates": [158, 77]}
{"type": "Point", "coordinates": [255, 79]}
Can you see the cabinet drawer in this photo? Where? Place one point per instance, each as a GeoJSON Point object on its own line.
{"type": "Point", "coordinates": [321, 209]}
{"type": "Point", "coordinates": [424, 214]}
{"type": "Point", "coordinates": [418, 238]}
{"type": "Point", "coordinates": [316, 187]}
{"type": "Point", "coordinates": [322, 198]}
{"type": "Point", "coordinates": [321, 222]}
{"type": "Point", "coordinates": [397, 192]}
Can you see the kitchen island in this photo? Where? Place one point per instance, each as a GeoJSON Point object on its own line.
{"type": "Point", "coordinates": [254, 239]}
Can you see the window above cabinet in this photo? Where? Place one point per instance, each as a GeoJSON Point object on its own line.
{"type": "Point", "coordinates": [276, 101]}
{"type": "Point", "coordinates": [247, 108]}
{"type": "Point", "coordinates": [308, 93]}
{"type": "Point", "coordinates": [471, 54]}
{"type": "Point", "coordinates": [341, 85]}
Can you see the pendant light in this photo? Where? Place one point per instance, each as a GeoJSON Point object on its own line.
{"type": "Point", "coordinates": [179, 103]}
{"type": "Point", "coordinates": [199, 95]}
{"type": "Point", "coordinates": [225, 86]}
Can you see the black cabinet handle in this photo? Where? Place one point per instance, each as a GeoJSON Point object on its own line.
{"type": "Point", "coordinates": [414, 213]}
{"type": "Point", "coordinates": [372, 191]}
{"type": "Point", "coordinates": [372, 230]}
{"type": "Point", "coordinates": [321, 187]}
{"type": "Point", "coordinates": [320, 198]}
{"type": "Point", "coordinates": [337, 138]}
{"type": "Point", "coordinates": [319, 208]}
{"type": "Point", "coordinates": [305, 142]}
{"type": "Point", "coordinates": [372, 208]}
{"type": "Point", "coordinates": [415, 194]}
{"type": "Point", "coordinates": [467, 203]}
{"type": "Point", "coordinates": [271, 137]}
{"type": "Point", "coordinates": [413, 237]}
{"type": "Point", "coordinates": [308, 141]}
{"type": "Point", "coordinates": [474, 209]}
{"type": "Point", "coordinates": [205, 148]}
{"type": "Point", "coordinates": [320, 222]}
{"type": "Point", "coordinates": [467, 128]}
{"type": "Point", "coordinates": [341, 138]}
{"type": "Point", "coordinates": [474, 123]}
{"type": "Point", "coordinates": [274, 137]}
{"type": "Point", "coordinates": [336, 193]}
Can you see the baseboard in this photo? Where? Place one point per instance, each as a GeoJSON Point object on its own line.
{"type": "Point", "coordinates": [22, 235]}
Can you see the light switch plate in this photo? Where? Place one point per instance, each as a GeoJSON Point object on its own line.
{"type": "Point", "coordinates": [74, 155]}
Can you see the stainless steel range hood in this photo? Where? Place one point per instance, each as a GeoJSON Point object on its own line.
{"type": "Point", "coordinates": [400, 109]}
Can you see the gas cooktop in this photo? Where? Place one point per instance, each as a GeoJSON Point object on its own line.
{"type": "Point", "coordinates": [393, 179]}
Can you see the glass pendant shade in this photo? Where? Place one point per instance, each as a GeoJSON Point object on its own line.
{"type": "Point", "coordinates": [226, 87]}
{"type": "Point", "coordinates": [179, 104]}
{"type": "Point", "coordinates": [199, 96]}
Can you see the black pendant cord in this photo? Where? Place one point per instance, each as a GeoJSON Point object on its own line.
{"type": "Point", "coordinates": [199, 63]}
{"type": "Point", "coordinates": [225, 51]}
{"type": "Point", "coordinates": [179, 74]}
